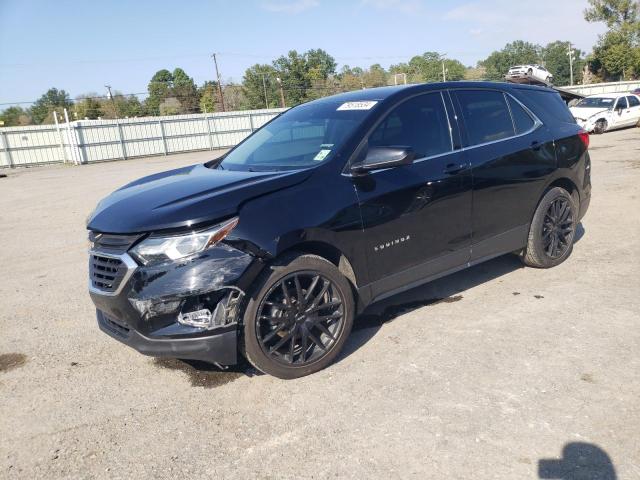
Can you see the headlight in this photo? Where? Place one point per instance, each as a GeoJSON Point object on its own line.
{"type": "Point", "coordinates": [162, 249]}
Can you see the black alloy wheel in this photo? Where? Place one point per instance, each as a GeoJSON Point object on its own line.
{"type": "Point", "coordinates": [300, 319]}
{"type": "Point", "coordinates": [558, 228]}
{"type": "Point", "coordinates": [552, 230]}
{"type": "Point", "coordinates": [299, 316]}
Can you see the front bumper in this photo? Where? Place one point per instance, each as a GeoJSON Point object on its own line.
{"type": "Point", "coordinates": [221, 347]}
{"type": "Point", "coordinates": [143, 312]}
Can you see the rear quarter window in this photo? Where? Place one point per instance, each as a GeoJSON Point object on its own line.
{"type": "Point", "coordinates": [547, 104]}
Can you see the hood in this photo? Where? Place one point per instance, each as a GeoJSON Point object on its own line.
{"type": "Point", "coordinates": [585, 113]}
{"type": "Point", "coordinates": [184, 197]}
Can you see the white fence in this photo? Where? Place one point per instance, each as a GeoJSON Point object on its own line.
{"type": "Point", "coordinates": [610, 87]}
{"type": "Point", "coordinates": [87, 141]}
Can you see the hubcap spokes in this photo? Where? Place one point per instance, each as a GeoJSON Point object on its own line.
{"type": "Point", "coordinates": [557, 228]}
{"type": "Point", "coordinates": [300, 319]}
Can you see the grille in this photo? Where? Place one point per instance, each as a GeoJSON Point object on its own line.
{"type": "Point", "coordinates": [106, 273]}
{"type": "Point", "coordinates": [112, 243]}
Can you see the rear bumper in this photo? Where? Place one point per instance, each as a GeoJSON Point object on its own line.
{"type": "Point", "coordinates": [584, 204]}
{"type": "Point", "coordinates": [219, 347]}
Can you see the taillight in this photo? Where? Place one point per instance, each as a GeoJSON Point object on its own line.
{"type": "Point", "coordinates": [584, 136]}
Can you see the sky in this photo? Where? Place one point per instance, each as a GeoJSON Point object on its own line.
{"type": "Point", "coordinates": [82, 45]}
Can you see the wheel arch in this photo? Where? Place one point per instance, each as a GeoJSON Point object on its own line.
{"type": "Point", "coordinates": [569, 185]}
{"type": "Point", "coordinates": [328, 252]}
{"type": "Point", "coordinates": [562, 182]}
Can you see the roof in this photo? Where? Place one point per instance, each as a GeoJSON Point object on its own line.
{"type": "Point", "coordinates": [383, 93]}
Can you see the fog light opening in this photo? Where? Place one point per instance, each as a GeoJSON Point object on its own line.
{"type": "Point", "coordinates": [198, 318]}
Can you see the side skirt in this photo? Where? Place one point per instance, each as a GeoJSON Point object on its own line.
{"type": "Point", "coordinates": [442, 266]}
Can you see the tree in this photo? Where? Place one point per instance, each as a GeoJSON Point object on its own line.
{"type": "Point", "coordinates": [170, 106]}
{"type": "Point", "coordinates": [293, 72]}
{"type": "Point", "coordinates": [54, 99]}
{"type": "Point", "coordinates": [617, 14]}
{"type": "Point", "coordinates": [516, 53]}
{"type": "Point", "coordinates": [556, 60]}
{"type": "Point", "coordinates": [428, 68]}
{"type": "Point", "coordinates": [15, 116]}
{"type": "Point", "coordinates": [87, 106]}
{"type": "Point", "coordinates": [260, 87]}
{"type": "Point", "coordinates": [185, 90]}
{"type": "Point", "coordinates": [374, 76]}
{"type": "Point", "coordinates": [121, 106]}
{"type": "Point", "coordinates": [159, 88]}
{"type": "Point", "coordinates": [350, 78]}
{"type": "Point", "coordinates": [320, 64]}
{"type": "Point", "coordinates": [305, 76]}
{"type": "Point", "coordinates": [615, 56]}
{"type": "Point", "coordinates": [209, 97]}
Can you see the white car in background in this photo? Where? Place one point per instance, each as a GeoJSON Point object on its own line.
{"type": "Point", "coordinates": [537, 72]}
{"type": "Point", "coordinates": [607, 111]}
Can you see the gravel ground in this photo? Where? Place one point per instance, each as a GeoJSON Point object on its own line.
{"type": "Point", "coordinates": [497, 372]}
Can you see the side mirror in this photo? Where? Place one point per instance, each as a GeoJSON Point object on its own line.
{"type": "Point", "coordinates": [383, 157]}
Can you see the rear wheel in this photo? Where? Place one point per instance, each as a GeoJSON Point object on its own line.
{"type": "Point", "coordinates": [552, 230]}
{"type": "Point", "coordinates": [549, 79]}
{"type": "Point", "coordinates": [600, 126]}
{"type": "Point", "coordinates": [299, 317]}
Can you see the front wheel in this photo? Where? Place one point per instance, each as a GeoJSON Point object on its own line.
{"type": "Point", "coordinates": [299, 317]}
{"type": "Point", "coordinates": [552, 230]}
{"type": "Point", "coordinates": [600, 126]}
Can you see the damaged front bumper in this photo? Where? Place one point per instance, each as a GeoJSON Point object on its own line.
{"type": "Point", "coordinates": [145, 306]}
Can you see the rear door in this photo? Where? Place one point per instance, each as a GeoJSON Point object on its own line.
{"type": "Point", "coordinates": [511, 154]}
{"type": "Point", "coordinates": [417, 218]}
{"type": "Point", "coordinates": [633, 109]}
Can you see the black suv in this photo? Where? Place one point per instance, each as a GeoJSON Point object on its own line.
{"type": "Point", "coordinates": [274, 248]}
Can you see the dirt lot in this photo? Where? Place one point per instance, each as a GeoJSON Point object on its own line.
{"type": "Point", "coordinates": [487, 374]}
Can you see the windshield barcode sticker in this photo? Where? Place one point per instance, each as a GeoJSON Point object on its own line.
{"type": "Point", "coordinates": [358, 105]}
{"type": "Point", "coordinates": [322, 154]}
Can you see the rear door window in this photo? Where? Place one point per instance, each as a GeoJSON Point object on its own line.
{"type": "Point", "coordinates": [486, 115]}
{"type": "Point", "coordinates": [420, 123]}
{"type": "Point", "coordinates": [521, 119]}
{"type": "Point", "coordinates": [547, 105]}
{"type": "Point", "coordinates": [633, 101]}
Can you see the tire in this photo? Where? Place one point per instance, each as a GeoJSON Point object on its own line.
{"type": "Point", "coordinates": [600, 126]}
{"type": "Point", "coordinates": [552, 230]}
{"type": "Point", "coordinates": [283, 335]}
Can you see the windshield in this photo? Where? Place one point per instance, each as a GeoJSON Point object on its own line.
{"type": "Point", "coordinates": [595, 102]}
{"type": "Point", "coordinates": [302, 137]}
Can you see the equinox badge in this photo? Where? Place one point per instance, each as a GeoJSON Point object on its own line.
{"type": "Point", "coordinates": [392, 243]}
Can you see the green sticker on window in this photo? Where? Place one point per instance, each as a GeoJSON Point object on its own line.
{"type": "Point", "coordinates": [322, 154]}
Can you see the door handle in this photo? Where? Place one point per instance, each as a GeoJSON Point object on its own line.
{"type": "Point", "coordinates": [453, 168]}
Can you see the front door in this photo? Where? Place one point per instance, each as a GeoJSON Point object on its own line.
{"type": "Point", "coordinates": [416, 218]}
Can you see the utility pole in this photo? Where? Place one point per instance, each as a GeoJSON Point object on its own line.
{"type": "Point", "coordinates": [570, 53]}
{"type": "Point", "coordinates": [115, 109]}
{"type": "Point", "coordinates": [282, 102]}
{"type": "Point", "coordinates": [215, 62]}
{"type": "Point", "coordinates": [264, 86]}
{"type": "Point", "coordinates": [444, 70]}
